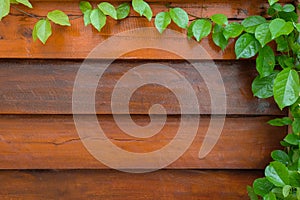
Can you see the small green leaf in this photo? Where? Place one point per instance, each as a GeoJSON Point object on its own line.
{"type": "Point", "coordinates": [233, 30]}
{"type": "Point", "coordinates": [85, 6]}
{"type": "Point", "coordinates": [288, 16]}
{"type": "Point", "coordinates": [59, 17]}
{"type": "Point", "coordinates": [277, 173]}
{"type": "Point", "coordinates": [25, 2]}
{"type": "Point", "coordinates": [285, 61]}
{"type": "Point", "coordinates": [288, 8]}
{"type": "Point", "coordinates": [246, 46]}
{"type": "Point", "coordinates": [262, 186]}
{"type": "Point", "coordinates": [142, 8]}
{"type": "Point", "coordinates": [251, 193]}
{"type": "Point", "coordinates": [292, 139]}
{"type": "Point", "coordinates": [108, 9]}
{"type": "Point", "coordinates": [218, 37]}
{"type": "Point", "coordinates": [277, 7]}
{"type": "Point", "coordinates": [4, 8]}
{"type": "Point", "coordinates": [87, 17]}
{"type": "Point", "coordinates": [271, 2]}
{"type": "Point", "coordinates": [263, 34]}
{"type": "Point", "coordinates": [265, 62]}
{"type": "Point", "coordinates": [281, 121]}
{"type": "Point", "coordinates": [279, 27]}
{"type": "Point", "coordinates": [250, 23]}
{"type": "Point", "coordinates": [190, 30]}
{"type": "Point", "coordinates": [286, 88]}
{"type": "Point", "coordinates": [201, 29]}
{"type": "Point", "coordinates": [282, 44]}
{"type": "Point", "coordinates": [179, 17]}
{"type": "Point", "coordinates": [296, 126]}
{"type": "Point", "coordinates": [294, 178]}
{"type": "Point", "coordinates": [148, 12]}
{"type": "Point", "coordinates": [98, 19]}
{"type": "Point", "coordinates": [281, 156]}
{"type": "Point", "coordinates": [219, 19]}
{"type": "Point", "coordinates": [286, 190]}
{"type": "Point", "coordinates": [162, 21]}
{"type": "Point", "coordinates": [263, 87]}
{"type": "Point", "coordinates": [42, 30]}
{"type": "Point", "coordinates": [123, 10]}
{"type": "Point", "coordinates": [270, 196]}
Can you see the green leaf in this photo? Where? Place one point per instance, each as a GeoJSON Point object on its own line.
{"type": "Point", "coordinates": [142, 8]}
{"type": "Point", "coordinates": [233, 30]}
{"type": "Point", "coordinates": [42, 30]}
{"type": "Point", "coordinates": [298, 193]}
{"type": "Point", "coordinates": [179, 17]}
{"type": "Point", "coordinates": [285, 61]}
{"type": "Point", "coordinates": [263, 87]}
{"type": "Point", "coordinates": [148, 12]}
{"type": "Point", "coordinates": [294, 178]}
{"type": "Point", "coordinates": [286, 190]}
{"type": "Point", "coordinates": [162, 21]}
{"type": "Point", "coordinates": [123, 10]}
{"type": "Point", "coordinates": [288, 8]}
{"type": "Point", "coordinates": [108, 9]}
{"type": "Point", "coordinates": [246, 46]}
{"type": "Point", "coordinates": [250, 23]}
{"type": "Point", "coordinates": [279, 27]}
{"type": "Point", "coordinates": [4, 8]}
{"type": "Point", "coordinates": [296, 126]}
{"type": "Point", "coordinates": [270, 196]}
{"type": "Point", "coordinates": [201, 29]}
{"type": "Point", "coordinates": [263, 34]}
{"type": "Point", "coordinates": [265, 62]}
{"type": "Point", "coordinates": [277, 7]}
{"type": "Point", "coordinates": [251, 193]}
{"type": "Point", "coordinates": [282, 44]}
{"type": "Point", "coordinates": [292, 139]}
{"type": "Point", "coordinates": [295, 109]}
{"type": "Point", "coordinates": [288, 16]}
{"type": "Point", "coordinates": [85, 6]}
{"type": "Point", "coordinates": [87, 17]}
{"type": "Point", "coordinates": [281, 121]}
{"type": "Point", "coordinates": [286, 88]}
{"type": "Point", "coordinates": [281, 156]}
{"type": "Point", "coordinates": [218, 37]}
{"type": "Point", "coordinates": [219, 19]}
{"type": "Point", "coordinates": [59, 17]}
{"type": "Point", "coordinates": [25, 2]}
{"type": "Point", "coordinates": [277, 173]}
{"type": "Point", "coordinates": [271, 2]}
{"type": "Point", "coordinates": [190, 30]}
{"type": "Point", "coordinates": [98, 19]}
{"type": "Point", "coordinates": [262, 186]}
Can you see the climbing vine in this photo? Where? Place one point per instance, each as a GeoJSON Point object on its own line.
{"type": "Point", "coordinates": [278, 67]}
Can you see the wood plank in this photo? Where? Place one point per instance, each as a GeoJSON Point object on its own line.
{"type": "Point", "coordinates": [78, 41]}
{"type": "Point", "coordinates": [46, 87]}
{"type": "Point", "coordinates": [108, 184]}
{"type": "Point", "coordinates": [51, 142]}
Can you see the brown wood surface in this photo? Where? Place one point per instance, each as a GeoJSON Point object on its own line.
{"type": "Point", "coordinates": [108, 184]}
{"type": "Point", "coordinates": [45, 87]}
{"type": "Point", "coordinates": [51, 142]}
{"type": "Point", "coordinates": [78, 41]}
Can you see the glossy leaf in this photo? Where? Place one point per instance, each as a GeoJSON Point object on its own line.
{"type": "Point", "coordinates": [123, 11]}
{"type": "Point", "coordinates": [263, 87]}
{"type": "Point", "coordinates": [271, 2]}
{"type": "Point", "coordinates": [218, 37]}
{"type": "Point", "coordinates": [179, 17]}
{"type": "Point", "coordinates": [251, 193]}
{"type": "Point", "coordinates": [296, 126]}
{"type": "Point", "coordinates": [98, 19]}
{"type": "Point", "coordinates": [42, 30]}
{"type": "Point", "coordinates": [85, 6]}
{"type": "Point", "coordinates": [270, 196]}
{"type": "Point", "coordinates": [281, 156]}
{"type": "Point", "coordinates": [219, 19]}
{"type": "Point", "coordinates": [277, 173]}
{"type": "Point", "coordinates": [286, 88]}
{"type": "Point", "coordinates": [87, 17]}
{"type": "Point", "coordinates": [292, 139]}
{"type": "Point", "coordinates": [246, 46]}
{"type": "Point", "coordinates": [262, 186]}
{"type": "Point", "coordinates": [286, 190]}
{"type": "Point", "coordinates": [201, 29]}
{"type": "Point", "coordinates": [108, 9]}
{"type": "Point", "coordinates": [142, 8]}
{"type": "Point", "coordinates": [25, 2]}
{"type": "Point", "coordinates": [59, 17]}
{"type": "Point", "coordinates": [265, 62]}
{"type": "Point", "coordinates": [263, 34]}
{"type": "Point", "coordinates": [250, 23]}
{"type": "Point", "coordinates": [4, 8]}
{"type": "Point", "coordinates": [190, 30]}
{"type": "Point", "coordinates": [279, 27]}
{"type": "Point", "coordinates": [288, 8]}
{"type": "Point", "coordinates": [233, 30]}
{"type": "Point", "coordinates": [162, 21]}
{"type": "Point", "coordinates": [281, 121]}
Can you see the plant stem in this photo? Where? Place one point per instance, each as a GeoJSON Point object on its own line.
{"type": "Point", "coordinates": [26, 13]}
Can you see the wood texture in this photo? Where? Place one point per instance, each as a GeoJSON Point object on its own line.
{"type": "Point", "coordinates": [77, 41]}
{"type": "Point", "coordinates": [46, 87]}
{"type": "Point", "coordinates": [110, 185]}
{"type": "Point", "coordinates": [51, 142]}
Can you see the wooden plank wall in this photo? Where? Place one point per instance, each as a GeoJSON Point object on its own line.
{"type": "Point", "coordinates": [41, 154]}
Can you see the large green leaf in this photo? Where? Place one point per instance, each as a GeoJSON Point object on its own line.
{"type": "Point", "coordinates": [219, 19]}
{"type": "Point", "coordinates": [246, 46]}
{"type": "Point", "coordinates": [98, 19]}
{"type": "Point", "coordinates": [281, 156]}
{"type": "Point", "coordinates": [108, 9]}
{"type": "Point", "coordinates": [201, 29]}
{"type": "Point", "coordinates": [262, 186]}
{"type": "Point", "coordinates": [286, 88]}
{"type": "Point", "coordinates": [292, 139]}
{"type": "Point", "coordinates": [263, 87]}
{"type": "Point", "coordinates": [42, 30]}
{"type": "Point", "coordinates": [218, 37]}
{"type": "Point", "coordinates": [263, 34]}
{"type": "Point", "coordinates": [25, 2]}
{"type": "Point", "coordinates": [4, 8]}
{"type": "Point", "coordinates": [162, 21]}
{"type": "Point", "coordinates": [233, 30]}
{"type": "Point", "coordinates": [123, 10]}
{"type": "Point", "coordinates": [265, 62]}
{"type": "Point", "coordinates": [179, 17]}
{"type": "Point", "coordinates": [277, 173]}
{"type": "Point", "coordinates": [280, 27]}
{"type": "Point", "coordinates": [59, 17]}
{"type": "Point", "coordinates": [85, 6]}
{"type": "Point", "coordinates": [250, 23]}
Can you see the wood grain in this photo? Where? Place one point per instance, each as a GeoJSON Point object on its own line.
{"type": "Point", "coordinates": [46, 87]}
{"type": "Point", "coordinates": [77, 41]}
{"type": "Point", "coordinates": [110, 185]}
{"type": "Point", "coordinates": [52, 142]}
